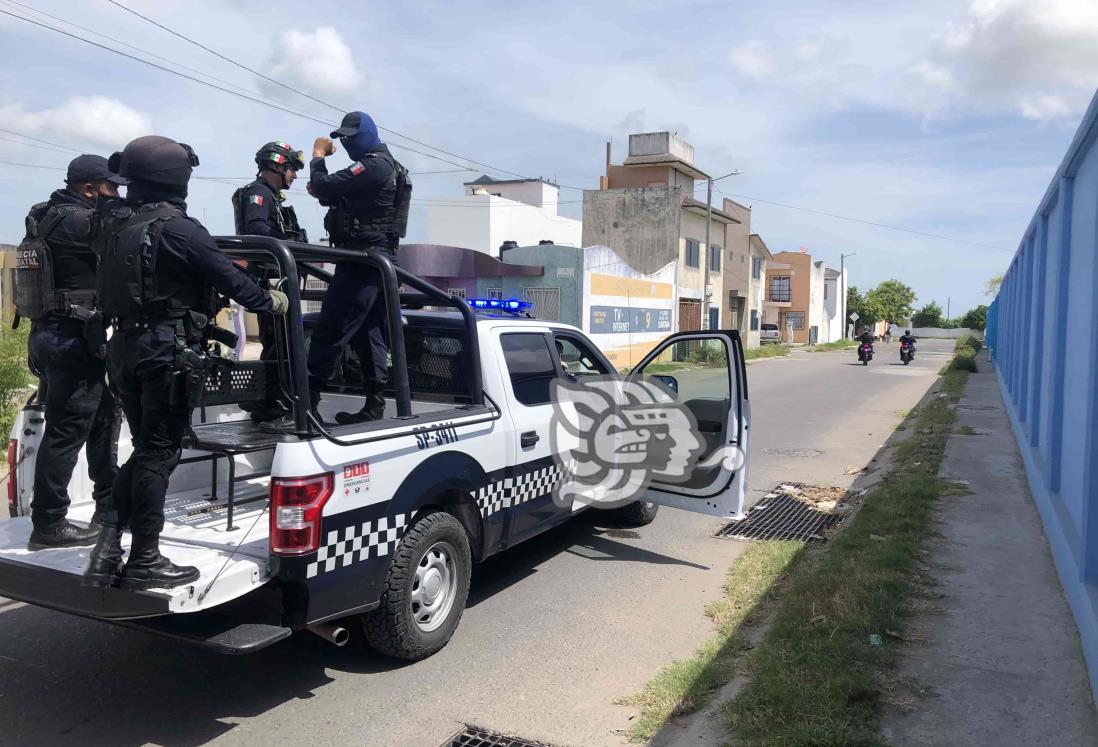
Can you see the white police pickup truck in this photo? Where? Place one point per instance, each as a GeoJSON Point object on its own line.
{"type": "Point", "coordinates": [375, 524]}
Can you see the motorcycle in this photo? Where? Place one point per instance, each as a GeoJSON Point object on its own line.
{"type": "Point", "coordinates": [907, 352]}
{"type": "Point", "coordinates": [865, 353]}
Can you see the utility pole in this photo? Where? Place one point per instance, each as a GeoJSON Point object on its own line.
{"type": "Point", "coordinates": [947, 308]}
{"type": "Point", "coordinates": [704, 258]}
{"type": "Point", "coordinates": [842, 279]}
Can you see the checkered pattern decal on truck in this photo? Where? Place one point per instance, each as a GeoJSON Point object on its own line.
{"type": "Point", "coordinates": [514, 491]}
{"type": "Point", "coordinates": [358, 542]}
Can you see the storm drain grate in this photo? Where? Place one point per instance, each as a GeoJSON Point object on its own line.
{"type": "Point", "coordinates": [474, 736]}
{"type": "Point", "coordinates": [781, 517]}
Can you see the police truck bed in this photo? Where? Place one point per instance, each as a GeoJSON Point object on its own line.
{"type": "Point", "coordinates": [232, 563]}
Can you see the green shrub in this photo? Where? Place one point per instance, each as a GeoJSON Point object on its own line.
{"type": "Point", "coordinates": [14, 374]}
{"type": "Point", "coordinates": [964, 359]}
{"type": "Point", "coordinates": [969, 341]}
{"type": "Point", "coordinates": [707, 354]}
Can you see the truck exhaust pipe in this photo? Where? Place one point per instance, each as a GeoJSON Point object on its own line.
{"type": "Point", "coordinates": [333, 633]}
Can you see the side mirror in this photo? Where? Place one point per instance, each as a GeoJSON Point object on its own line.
{"type": "Point", "coordinates": [668, 381]}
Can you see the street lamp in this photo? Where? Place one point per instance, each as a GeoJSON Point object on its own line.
{"type": "Point", "coordinates": [705, 249]}
{"type": "Point", "coordinates": [842, 279]}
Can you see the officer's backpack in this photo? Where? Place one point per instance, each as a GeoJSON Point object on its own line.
{"type": "Point", "coordinates": [36, 295]}
{"type": "Point", "coordinates": [127, 243]}
{"type": "Point", "coordinates": [287, 217]}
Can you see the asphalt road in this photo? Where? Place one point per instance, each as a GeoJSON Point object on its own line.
{"type": "Point", "coordinates": [557, 629]}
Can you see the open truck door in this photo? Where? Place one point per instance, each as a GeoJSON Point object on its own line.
{"type": "Point", "coordinates": [703, 373]}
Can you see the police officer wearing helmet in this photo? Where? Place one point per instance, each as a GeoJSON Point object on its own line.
{"type": "Point", "coordinates": [158, 272]}
{"type": "Point", "coordinates": [56, 290]}
{"type": "Point", "coordinates": [259, 210]}
{"type": "Point", "coordinates": [259, 207]}
{"type": "Point", "coordinates": [367, 208]}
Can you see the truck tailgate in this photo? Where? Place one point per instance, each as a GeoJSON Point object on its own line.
{"type": "Point", "coordinates": [231, 563]}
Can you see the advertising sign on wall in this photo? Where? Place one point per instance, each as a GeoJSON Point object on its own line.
{"type": "Point", "coordinates": [616, 319]}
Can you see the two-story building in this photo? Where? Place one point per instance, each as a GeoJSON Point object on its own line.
{"type": "Point", "coordinates": [646, 212]}
{"type": "Point", "coordinates": [802, 298]}
{"type": "Point", "coordinates": [494, 211]}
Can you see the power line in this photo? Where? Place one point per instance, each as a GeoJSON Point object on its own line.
{"type": "Point", "coordinates": [869, 222]}
{"type": "Point", "coordinates": [299, 92]}
{"type": "Point", "coordinates": [181, 66]}
{"type": "Point", "coordinates": [253, 99]}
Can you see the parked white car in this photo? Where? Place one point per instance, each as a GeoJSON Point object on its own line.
{"type": "Point", "coordinates": [770, 333]}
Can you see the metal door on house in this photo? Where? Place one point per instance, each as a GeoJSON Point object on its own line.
{"type": "Point", "coordinates": [546, 303]}
{"type": "Point", "coordinates": [690, 318]}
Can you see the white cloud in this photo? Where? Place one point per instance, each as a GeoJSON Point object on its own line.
{"type": "Point", "coordinates": [318, 62]}
{"type": "Point", "coordinates": [81, 120]}
{"type": "Point", "coordinates": [753, 61]}
{"type": "Point", "coordinates": [1037, 59]}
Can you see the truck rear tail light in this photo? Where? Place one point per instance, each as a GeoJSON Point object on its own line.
{"type": "Point", "coordinates": [13, 485]}
{"type": "Point", "coordinates": [296, 507]}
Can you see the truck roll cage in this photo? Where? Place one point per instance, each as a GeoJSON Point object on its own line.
{"type": "Point", "coordinates": [294, 261]}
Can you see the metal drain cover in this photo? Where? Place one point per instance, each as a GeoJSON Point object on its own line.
{"type": "Point", "coordinates": [781, 517]}
{"type": "Point", "coordinates": [474, 736]}
{"type": "Point", "coordinates": [793, 452]}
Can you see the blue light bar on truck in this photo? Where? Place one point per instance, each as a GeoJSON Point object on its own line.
{"type": "Point", "coordinates": [499, 303]}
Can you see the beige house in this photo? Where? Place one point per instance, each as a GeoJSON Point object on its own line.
{"type": "Point", "coordinates": [788, 294]}
{"type": "Point", "coordinates": [758, 261]}
{"type": "Point", "coordinates": [645, 211]}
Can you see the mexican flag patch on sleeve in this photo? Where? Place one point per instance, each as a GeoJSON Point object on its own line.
{"type": "Point", "coordinates": [357, 168]}
{"type": "Point", "coordinates": [256, 200]}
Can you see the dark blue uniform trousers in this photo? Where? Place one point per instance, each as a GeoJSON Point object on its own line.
{"type": "Point", "coordinates": [80, 411]}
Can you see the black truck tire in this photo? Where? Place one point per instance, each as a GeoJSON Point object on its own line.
{"type": "Point", "coordinates": [638, 513]}
{"type": "Point", "coordinates": [401, 626]}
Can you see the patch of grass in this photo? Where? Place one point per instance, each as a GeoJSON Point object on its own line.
{"type": "Point", "coordinates": [836, 345]}
{"type": "Point", "coordinates": [754, 581]}
{"type": "Point", "coordinates": [818, 677]}
{"type": "Point", "coordinates": [965, 430]}
{"type": "Point", "coordinates": [766, 351]}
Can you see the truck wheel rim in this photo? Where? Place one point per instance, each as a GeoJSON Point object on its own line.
{"type": "Point", "coordinates": [434, 587]}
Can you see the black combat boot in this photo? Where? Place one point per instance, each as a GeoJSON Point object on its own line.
{"type": "Point", "coordinates": [286, 423]}
{"type": "Point", "coordinates": [373, 409]}
{"type": "Point", "coordinates": [148, 569]}
{"type": "Point", "coordinates": [105, 565]}
{"type": "Point", "coordinates": [62, 534]}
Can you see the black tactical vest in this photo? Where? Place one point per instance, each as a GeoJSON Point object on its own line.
{"type": "Point", "coordinates": [36, 293]}
{"type": "Point", "coordinates": [128, 243]}
{"type": "Point", "coordinates": [351, 220]}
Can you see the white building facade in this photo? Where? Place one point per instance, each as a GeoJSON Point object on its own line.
{"type": "Point", "coordinates": [493, 211]}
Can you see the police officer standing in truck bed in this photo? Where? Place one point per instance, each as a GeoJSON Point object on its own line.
{"type": "Point", "coordinates": [367, 209]}
{"type": "Point", "coordinates": [260, 210]}
{"type": "Point", "coordinates": [56, 290]}
{"type": "Point", "coordinates": [158, 272]}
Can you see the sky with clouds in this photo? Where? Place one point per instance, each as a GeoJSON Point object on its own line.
{"type": "Point", "coordinates": [948, 117]}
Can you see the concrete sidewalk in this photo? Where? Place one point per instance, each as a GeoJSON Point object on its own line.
{"type": "Point", "coordinates": [1000, 655]}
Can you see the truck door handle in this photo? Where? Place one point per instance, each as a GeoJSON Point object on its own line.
{"type": "Point", "coordinates": [528, 439]}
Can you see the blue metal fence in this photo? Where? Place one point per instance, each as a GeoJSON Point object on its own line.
{"type": "Point", "coordinates": [1041, 331]}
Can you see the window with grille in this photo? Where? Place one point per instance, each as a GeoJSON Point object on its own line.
{"type": "Point", "coordinates": [546, 303]}
{"type": "Point", "coordinates": [754, 320]}
{"type": "Point", "coordinates": [756, 267]}
{"type": "Point", "coordinates": [779, 288]}
{"type": "Point", "coordinates": [459, 292]}
{"type": "Point", "coordinates": [715, 258]}
{"type": "Point", "coordinates": [495, 293]}
{"type": "Point", "coordinates": [794, 318]}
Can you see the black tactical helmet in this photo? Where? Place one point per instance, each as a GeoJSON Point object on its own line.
{"type": "Point", "coordinates": [155, 159]}
{"type": "Point", "coordinates": [276, 155]}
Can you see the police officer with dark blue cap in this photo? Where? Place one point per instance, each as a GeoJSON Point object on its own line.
{"type": "Point", "coordinates": [159, 276]}
{"type": "Point", "coordinates": [367, 208]}
{"type": "Point", "coordinates": [57, 292]}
